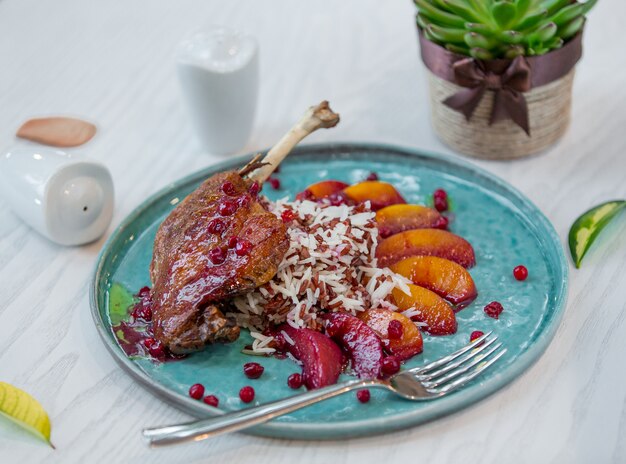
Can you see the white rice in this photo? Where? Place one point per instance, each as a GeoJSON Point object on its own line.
{"type": "Point", "coordinates": [330, 266]}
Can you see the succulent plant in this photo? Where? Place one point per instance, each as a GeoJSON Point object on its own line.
{"type": "Point", "coordinates": [487, 29]}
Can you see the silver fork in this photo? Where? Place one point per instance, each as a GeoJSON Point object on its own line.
{"type": "Point", "coordinates": [428, 382]}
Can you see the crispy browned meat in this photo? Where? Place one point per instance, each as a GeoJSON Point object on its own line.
{"type": "Point", "coordinates": [189, 287]}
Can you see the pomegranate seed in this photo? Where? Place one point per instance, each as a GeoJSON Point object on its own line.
{"type": "Point", "coordinates": [211, 400]}
{"type": "Point", "coordinates": [476, 334]}
{"type": "Point", "coordinates": [294, 381]}
{"type": "Point", "coordinates": [243, 247]}
{"type": "Point", "coordinates": [254, 189]}
{"type": "Point", "coordinates": [142, 311]}
{"type": "Point", "coordinates": [217, 255]}
{"type": "Point", "coordinates": [196, 391]}
{"type": "Point", "coordinates": [287, 215]}
{"type": "Point", "coordinates": [440, 200]}
{"type": "Point", "coordinates": [157, 350]}
{"type": "Point", "coordinates": [227, 207]}
{"type": "Point", "coordinates": [442, 223]}
{"type": "Point", "coordinates": [337, 199]}
{"type": "Point", "coordinates": [384, 232]}
{"type": "Point", "coordinates": [148, 342]}
{"type": "Point", "coordinates": [395, 329]}
{"type": "Point", "coordinates": [305, 195]}
{"type": "Point", "coordinates": [493, 309]}
{"type": "Point", "coordinates": [232, 242]}
{"type": "Point", "coordinates": [332, 328]}
{"type": "Point", "coordinates": [372, 176]}
{"type": "Point", "coordinates": [363, 395]}
{"type": "Point", "coordinates": [243, 201]}
{"type": "Point", "coordinates": [228, 188]}
{"type": "Point", "coordinates": [253, 370]}
{"type": "Point", "coordinates": [275, 183]}
{"type": "Point", "coordinates": [246, 394]}
{"type": "Point", "coordinates": [520, 272]}
{"type": "Point", "coordinates": [390, 365]}
{"type": "Point", "coordinates": [144, 292]}
{"type": "Point", "coordinates": [216, 226]}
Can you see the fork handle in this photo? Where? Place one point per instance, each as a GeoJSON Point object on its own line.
{"type": "Point", "coordinates": [232, 422]}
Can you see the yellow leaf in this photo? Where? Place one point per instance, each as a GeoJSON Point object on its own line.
{"type": "Point", "coordinates": [25, 411]}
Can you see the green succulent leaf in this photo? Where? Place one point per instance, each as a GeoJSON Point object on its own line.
{"type": "Point", "coordinates": [480, 28]}
{"type": "Point", "coordinates": [531, 20]}
{"type": "Point", "coordinates": [462, 9]}
{"type": "Point", "coordinates": [555, 5]}
{"type": "Point", "coordinates": [588, 5]}
{"type": "Point", "coordinates": [435, 14]}
{"type": "Point", "coordinates": [445, 34]}
{"type": "Point", "coordinates": [587, 227]}
{"type": "Point", "coordinates": [543, 34]}
{"type": "Point", "coordinates": [565, 15]}
{"type": "Point", "coordinates": [511, 37]}
{"type": "Point", "coordinates": [474, 39]}
{"type": "Point", "coordinates": [571, 28]}
{"type": "Point", "coordinates": [522, 7]}
{"type": "Point", "coordinates": [481, 54]}
{"type": "Point", "coordinates": [504, 13]}
{"type": "Point", "coordinates": [457, 48]}
{"type": "Point", "coordinates": [513, 51]}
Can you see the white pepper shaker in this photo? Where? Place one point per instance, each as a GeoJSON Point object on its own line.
{"type": "Point", "coordinates": [65, 197]}
{"type": "Point", "coordinates": [218, 69]}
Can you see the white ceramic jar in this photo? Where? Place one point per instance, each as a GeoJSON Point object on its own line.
{"type": "Point", "coordinates": [65, 197]}
{"type": "Point", "coordinates": [218, 70]}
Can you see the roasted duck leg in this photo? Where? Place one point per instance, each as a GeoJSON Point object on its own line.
{"type": "Point", "coordinates": [218, 243]}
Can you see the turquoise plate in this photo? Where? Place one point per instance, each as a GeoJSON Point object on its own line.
{"type": "Point", "coordinates": [504, 227]}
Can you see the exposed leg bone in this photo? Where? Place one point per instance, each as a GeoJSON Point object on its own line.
{"type": "Point", "coordinates": [316, 117]}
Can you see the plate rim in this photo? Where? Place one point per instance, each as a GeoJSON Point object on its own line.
{"type": "Point", "coordinates": [352, 428]}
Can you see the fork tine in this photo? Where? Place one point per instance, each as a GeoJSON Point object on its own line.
{"type": "Point", "coordinates": [451, 357]}
{"type": "Point", "coordinates": [466, 378]}
{"type": "Point", "coordinates": [453, 365]}
{"type": "Point", "coordinates": [437, 381]}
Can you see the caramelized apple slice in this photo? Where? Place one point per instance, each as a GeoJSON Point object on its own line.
{"type": "Point", "coordinates": [319, 355]}
{"type": "Point", "coordinates": [321, 190]}
{"type": "Point", "coordinates": [359, 341]}
{"type": "Point", "coordinates": [444, 277]}
{"type": "Point", "coordinates": [433, 310]}
{"type": "Point", "coordinates": [398, 218]}
{"type": "Point", "coordinates": [428, 242]}
{"type": "Point", "coordinates": [404, 347]}
{"type": "Point", "coordinates": [379, 194]}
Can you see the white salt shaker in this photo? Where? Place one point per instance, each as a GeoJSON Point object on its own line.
{"type": "Point", "coordinates": [218, 70]}
{"type": "Point", "coordinates": [65, 197]}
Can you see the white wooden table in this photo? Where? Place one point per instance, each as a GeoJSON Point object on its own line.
{"type": "Point", "coordinates": [112, 62]}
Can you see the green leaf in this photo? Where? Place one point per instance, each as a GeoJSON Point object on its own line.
{"type": "Point", "coordinates": [457, 48]}
{"type": "Point", "coordinates": [565, 15]}
{"type": "Point", "coordinates": [462, 9]}
{"type": "Point", "coordinates": [543, 34]}
{"type": "Point", "coordinates": [437, 15]}
{"type": "Point", "coordinates": [120, 300]}
{"type": "Point", "coordinates": [504, 13]}
{"type": "Point", "coordinates": [513, 51]}
{"type": "Point", "coordinates": [554, 5]}
{"type": "Point", "coordinates": [571, 28]}
{"type": "Point", "coordinates": [481, 54]}
{"type": "Point", "coordinates": [586, 228]}
{"type": "Point", "coordinates": [473, 39]}
{"type": "Point", "coordinates": [531, 21]}
{"type": "Point", "coordinates": [447, 35]}
{"type": "Point", "coordinates": [480, 28]}
{"type": "Point", "coordinates": [588, 5]}
{"type": "Point", "coordinates": [24, 410]}
{"type": "Point", "coordinates": [511, 37]}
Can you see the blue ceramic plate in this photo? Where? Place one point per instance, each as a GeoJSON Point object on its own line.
{"type": "Point", "coordinates": [504, 227]}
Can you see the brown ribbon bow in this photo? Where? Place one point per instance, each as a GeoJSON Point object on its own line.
{"type": "Point", "coordinates": [508, 81]}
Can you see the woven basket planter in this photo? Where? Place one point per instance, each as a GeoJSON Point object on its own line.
{"type": "Point", "coordinates": [468, 125]}
{"type": "Point", "coordinates": [548, 116]}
